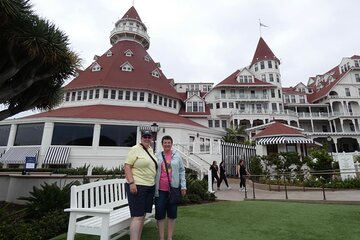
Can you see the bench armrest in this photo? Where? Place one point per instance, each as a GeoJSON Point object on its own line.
{"type": "Point", "coordinates": [90, 210]}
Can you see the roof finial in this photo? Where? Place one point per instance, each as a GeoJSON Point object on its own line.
{"type": "Point", "coordinates": [133, 3]}
{"type": "Point", "coordinates": [261, 25]}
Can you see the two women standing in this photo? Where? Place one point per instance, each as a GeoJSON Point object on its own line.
{"type": "Point", "coordinates": [147, 177]}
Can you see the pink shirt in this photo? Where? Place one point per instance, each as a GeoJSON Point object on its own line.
{"type": "Point", "coordinates": [164, 182]}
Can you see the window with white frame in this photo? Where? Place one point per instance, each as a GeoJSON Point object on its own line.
{"type": "Point", "coordinates": [113, 94]}
{"type": "Point", "coordinates": [274, 107]}
{"type": "Point", "coordinates": [262, 65]}
{"type": "Point", "coordinates": [97, 93]}
{"type": "Point", "coordinates": [109, 53]}
{"type": "Point", "coordinates": [67, 96]}
{"type": "Point", "coordinates": [287, 99]}
{"type": "Point", "coordinates": [134, 96]}
{"type": "Point", "coordinates": [272, 93]}
{"type": "Point", "coordinates": [155, 99]}
{"type": "Point", "coordinates": [277, 77]}
{"type": "Point", "coordinates": [149, 97]}
{"type": "Point", "coordinates": [79, 95]}
{"type": "Point", "coordinates": [263, 77]}
{"type": "Point", "coordinates": [91, 94]}
{"type": "Point", "coordinates": [142, 96]}
{"type": "Point", "coordinates": [106, 93]}
{"type": "Point", "coordinates": [232, 93]}
{"type": "Point", "coordinates": [357, 77]}
{"type": "Point", "coordinates": [223, 124]}
{"type": "Point", "coordinates": [293, 99]}
{"type": "Point", "coordinates": [356, 63]}
{"type": "Point", "coordinates": [127, 95]}
{"type": "Point", "coordinates": [210, 123]}
{"type": "Point", "coordinates": [129, 53]}
{"type": "Point", "coordinates": [170, 102]}
{"type": "Point", "coordinates": [85, 95]}
{"type": "Point", "coordinates": [269, 64]}
{"type": "Point", "coordinates": [231, 105]}
{"type": "Point", "coordinates": [165, 101]}
{"type": "Point", "coordinates": [256, 67]}
{"type": "Point", "coordinates": [347, 92]}
{"type": "Point", "coordinates": [224, 104]}
{"type": "Point", "coordinates": [155, 73]}
{"type": "Point", "coordinates": [120, 94]}
{"type": "Point", "coordinates": [302, 99]}
{"type": "Point", "coordinates": [217, 123]}
{"type": "Point", "coordinates": [223, 94]}
{"type": "Point", "coordinates": [160, 100]}
{"type": "Point", "coordinates": [271, 77]}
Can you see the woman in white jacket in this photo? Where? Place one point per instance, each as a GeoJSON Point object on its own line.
{"type": "Point", "coordinates": [176, 171]}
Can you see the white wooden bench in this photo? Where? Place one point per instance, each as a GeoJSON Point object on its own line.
{"type": "Point", "coordinates": [100, 208]}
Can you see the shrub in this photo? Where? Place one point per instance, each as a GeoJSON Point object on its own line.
{"type": "Point", "coordinates": [49, 197]}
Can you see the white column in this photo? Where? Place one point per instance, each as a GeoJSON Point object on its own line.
{"type": "Point", "coordinates": [12, 135]}
{"type": "Point", "coordinates": [96, 136]}
{"type": "Point", "coordinates": [342, 125]}
{"type": "Point", "coordinates": [45, 141]}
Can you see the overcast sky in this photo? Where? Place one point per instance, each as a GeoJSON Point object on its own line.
{"type": "Point", "coordinates": [207, 40]}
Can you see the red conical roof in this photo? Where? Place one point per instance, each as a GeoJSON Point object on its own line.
{"type": "Point", "coordinates": [263, 52]}
{"type": "Point", "coordinates": [132, 13]}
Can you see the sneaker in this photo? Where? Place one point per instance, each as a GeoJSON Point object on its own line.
{"type": "Point", "coordinates": [228, 188]}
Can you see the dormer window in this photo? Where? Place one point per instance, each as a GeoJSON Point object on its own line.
{"type": "Point", "coordinates": [95, 67]}
{"type": "Point", "coordinates": [109, 53]}
{"type": "Point", "coordinates": [128, 53]}
{"type": "Point", "coordinates": [127, 67]}
{"type": "Point", "coordinates": [356, 62]}
{"type": "Point", "coordinates": [147, 58]}
{"type": "Point", "coordinates": [155, 73]}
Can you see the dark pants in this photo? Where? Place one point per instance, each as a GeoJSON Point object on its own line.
{"type": "Point", "coordinates": [214, 176]}
{"type": "Point", "coordinates": [222, 177]}
{"type": "Point", "coordinates": [242, 181]}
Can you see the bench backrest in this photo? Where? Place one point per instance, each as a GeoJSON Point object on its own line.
{"type": "Point", "coordinates": [100, 194]}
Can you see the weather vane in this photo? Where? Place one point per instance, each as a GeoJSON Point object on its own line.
{"type": "Point", "coordinates": [261, 25]}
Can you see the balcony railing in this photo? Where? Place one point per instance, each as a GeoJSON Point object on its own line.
{"type": "Point", "coordinates": [313, 115]}
{"type": "Point", "coordinates": [263, 111]}
{"type": "Point", "coordinates": [243, 96]}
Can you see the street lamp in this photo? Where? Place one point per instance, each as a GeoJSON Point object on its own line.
{"type": "Point", "coordinates": [154, 129]}
{"type": "Point", "coordinates": [329, 139]}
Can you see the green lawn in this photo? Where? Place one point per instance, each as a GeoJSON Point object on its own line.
{"type": "Point", "coordinates": [260, 220]}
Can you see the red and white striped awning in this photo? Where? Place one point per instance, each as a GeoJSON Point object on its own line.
{"type": "Point", "coordinates": [17, 155]}
{"type": "Point", "coordinates": [284, 140]}
{"type": "Point", "coordinates": [57, 155]}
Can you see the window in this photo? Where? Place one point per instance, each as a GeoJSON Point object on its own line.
{"type": "Point", "coordinates": [241, 93]}
{"type": "Point", "coordinates": [347, 92]}
{"type": "Point", "coordinates": [356, 63]}
{"type": "Point", "coordinates": [232, 93]}
{"type": "Point", "coordinates": [272, 93]}
{"type": "Point", "coordinates": [359, 91]}
{"type": "Point", "coordinates": [242, 107]}
{"type": "Point", "coordinates": [106, 93]}
{"type": "Point", "coordinates": [302, 99]}
{"type": "Point", "coordinates": [277, 77]}
{"type": "Point", "coordinates": [72, 134]}
{"type": "Point", "coordinates": [149, 97]}
{"type": "Point", "coordinates": [258, 108]}
{"type": "Point", "coordinates": [119, 136]}
{"type": "Point", "coordinates": [224, 104]}
{"type": "Point", "coordinates": [85, 95]}
{"type": "Point", "coordinates": [357, 78]}
{"type": "Point", "coordinates": [79, 95]}
{"type": "Point", "coordinates": [142, 97]}
{"type": "Point", "coordinates": [97, 93]}
{"type": "Point", "coordinates": [4, 134]}
{"type": "Point", "coordinates": [352, 127]}
{"type": "Point", "coordinates": [223, 124]}
{"type": "Point", "coordinates": [262, 65]}
{"type": "Point", "coordinates": [170, 102]}
{"type": "Point", "coordinates": [256, 67]}
{"type": "Point", "coordinates": [271, 77]}
{"type": "Point", "coordinates": [269, 64]}
{"type": "Point", "coordinates": [67, 96]}
{"type": "Point", "coordinates": [135, 96]}
{"type": "Point", "coordinates": [155, 99]}
{"type": "Point", "coordinates": [217, 105]}
{"type": "Point", "coordinates": [217, 123]}
{"type": "Point", "coordinates": [202, 144]}
{"type": "Point", "coordinates": [120, 95]}
{"type": "Point", "coordinates": [127, 95]}
{"type": "Point", "coordinates": [291, 148]}
{"type": "Point", "coordinates": [293, 99]}
{"type": "Point", "coordinates": [113, 94]}
{"type": "Point", "coordinates": [29, 134]}
{"type": "Point", "coordinates": [73, 95]}
{"type": "Point", "coordinates": [263, 77]}
{"type": "Point", "coordinates": [223, 94]}
{"type": "Point", "coordinates": [231, 105]}
{"type": "Point", "coordinates": [210, 123]}
{"type": "Point", "coordinates": [279, 93]}
{"type": "Point", "coordinates": [211, 106]}
{"type": "Point", "coordinates": [274, 107]}
{"type": "Point", "coordinates": [160, 100]}
{"type": "Point", "coordinates": [264, 93]}
{"type": "Point", "coordinates": [276, 65]}
{"type": "Point", "coordinates": [287, 99]}
{"type": "Point", "coordinates": [91, 94]}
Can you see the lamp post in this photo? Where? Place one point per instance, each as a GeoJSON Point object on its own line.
{"type": "Point", "coordinates": [154, 129]}
{"type": "Point", "coordinates": [329, 139]}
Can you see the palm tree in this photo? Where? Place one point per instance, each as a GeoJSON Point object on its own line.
{"type": "Point", "coordinates": [35, 60]}
{"type": "Point", "coordinates": [235, 134]}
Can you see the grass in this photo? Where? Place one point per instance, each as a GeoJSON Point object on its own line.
{"type": "Point", "coordinates": [259, 220]}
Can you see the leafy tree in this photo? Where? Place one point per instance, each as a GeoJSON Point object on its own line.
{"type": "Point", "coordinates": [320, 160]}
{"type": "Point", "coordinates": [256, 167]}
{"type": "Point", "coordinates": [35, 60]}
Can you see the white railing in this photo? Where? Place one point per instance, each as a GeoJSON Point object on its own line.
{"type": "Point", "coordinates": [243, 97]}
{"type": "Point", "coordinates": [263, 111]}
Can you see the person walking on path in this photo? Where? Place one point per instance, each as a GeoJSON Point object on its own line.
{"type": "Point", "coordinates": [242, 172]}
{"type": "Point", "coordinates": [140, 171]}
{"type": "Point", "coordinates": [222, 176]}
{"type": "Point", "coordinates": [174, 170]}
{"type": "Point", "coordinates": [214, 174]}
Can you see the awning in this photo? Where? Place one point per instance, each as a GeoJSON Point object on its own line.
{"type": "Point", "coordinates": [17, 155]}
{"type": "Point", "coordinates": [284, 140]}
{"type": "Point", "coordinates": [2, 151]}
{"type": "Point", "coordinates": [57, 155]}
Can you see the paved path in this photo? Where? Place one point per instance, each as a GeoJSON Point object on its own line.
{"type": "Point", "coordinates": [347, 196]}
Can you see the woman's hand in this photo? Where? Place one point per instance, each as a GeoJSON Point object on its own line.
{"type": "Point", "coordinates": [133, 188]}
{"type": "Point", "coordinates": [183, 192]}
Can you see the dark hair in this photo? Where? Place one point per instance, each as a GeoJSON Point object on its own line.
{"type": "Point", "coordinates": [241, 161]}
{"type": "Point", "coordinates": [166, 137]}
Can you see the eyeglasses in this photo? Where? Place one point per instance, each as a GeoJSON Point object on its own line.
{"type": "Point", "coordinates": [146, 137]}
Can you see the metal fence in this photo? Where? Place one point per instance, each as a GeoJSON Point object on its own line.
{"type": "Point", "coordinates": [231, 153]}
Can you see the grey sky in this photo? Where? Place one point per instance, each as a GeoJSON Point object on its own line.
{"type": "Point", "coordinates": [207, 40]}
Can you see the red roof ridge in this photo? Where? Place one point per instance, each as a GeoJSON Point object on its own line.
{"type": "Point", "coordinates": [279, 129]}
{"type": "Point", "coordinates": [263, 52]}
{"type": "Point", "coordinates": [132, 14]}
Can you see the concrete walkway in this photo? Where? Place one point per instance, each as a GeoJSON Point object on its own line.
{"type": "Point", "coordinates": [233, 194]}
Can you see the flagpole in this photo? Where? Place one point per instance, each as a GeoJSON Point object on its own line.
{"type": "Point", "coordinates": [260, 26]}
